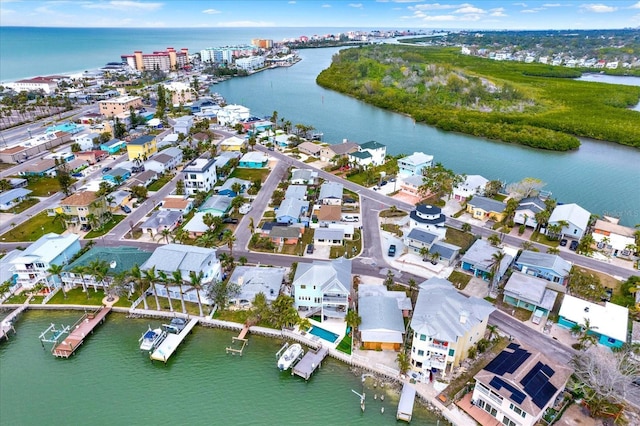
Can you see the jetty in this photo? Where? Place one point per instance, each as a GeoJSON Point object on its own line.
{"type": "Point", "coordinates": [6, 325]}
{"type": "Point", "coordinates": [171, 343]}
{"type": "Point", "coordinates": [310, 362]}
{"type": "Point", "coordinates": [241, 339]}
{"type": "Point", "coordinates": [405, 406]}
{"type": "Point", "coordinates": [75, 334]}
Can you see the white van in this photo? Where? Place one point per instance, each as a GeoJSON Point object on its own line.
{"type": "Point", "coordinates": [349, 218]}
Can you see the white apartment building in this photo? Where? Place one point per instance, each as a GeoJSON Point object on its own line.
{"type": "Point", "coordinates": [250, 63]}
{"type": "Point", "coordinates": [199, 175]}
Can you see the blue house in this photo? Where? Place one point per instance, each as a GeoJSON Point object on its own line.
{"type": "Point", "coordinates": [291, 210]}
{"type": "Point", "coordinates": [253, 160]}
{"type": "Point", "coordinates": [479, 261]}
{"type": "Point", "coordinates": [113, 146]}
{"type": "Point", "coordinates": [112, 175]}
{"type": "Point", "coordinates": [551, 267]}
{"type": "Point", "coordinates": [227, 187]}
{"type": "Point", "coordinates": [608, 323]}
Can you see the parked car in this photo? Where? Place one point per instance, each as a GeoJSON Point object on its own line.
{"type": "Point", "coordinates": [563, 243]}
{"type": "Point", "coordinates": [606, 297]}
{"type": "Point", "coordinates": [383, 183]}
{"type": "Point", "coordinates": [350, 218]}
{"type": "Point", "coordinates": [106, 169]}
{"type": "Point", "coordinates": [573, 246]}
{"type": "Point", "coordinates": [309, 248]}
{"type": "Point", "coordinates": [125, 209]}
{"type": "Point", "coordinates": [245, 208]}
{"type": "Point", "coordinates": [77, 175]}
{"type": "Point", "coordinates": [392, 250]}
{"type": "Point", "coordinates": [229, 220]}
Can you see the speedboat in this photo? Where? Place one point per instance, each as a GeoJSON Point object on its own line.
{"type": "Point", "coordinates": [152, 338]}
{"type": "Point", "coordinates": [175, 326]}
{"type": "Point", "coordinates": [289, 356]}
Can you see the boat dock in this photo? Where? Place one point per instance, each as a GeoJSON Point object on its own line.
{"type": "Point", "coordinates": [405, 406]}
{"type": "Point", "coordinates": [75, 334]}
{"type": "Point", "coordinates": [7, 324]}
{"type": "Point", "coordinates": [242, 341]}
{"type": "Point", "coordinates": [310, 362]}
{"type": "Point", "coordinates": [171, 343]}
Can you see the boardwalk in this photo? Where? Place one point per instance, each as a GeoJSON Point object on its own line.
{"type": "Point", "coordinates": [7, 324]}
{"type": "Point", "coordinates": [171, 343]}
{"type": "Point", "coordinates": [79, 331]}
{"type": "Point", "coordinates": [310, 362]}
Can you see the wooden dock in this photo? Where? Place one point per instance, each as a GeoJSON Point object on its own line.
{"type": "Point", "coordinates": [171, 343]}
{"type": "Point", "coordinates": [241, 339]}
{"type": "Point", "coordinates": [310, 362]}
{"type": "Point", "coordinates": [6, 325]}
{"type": "Point", "coordinates": [78, 332]}
{"type": "Point", "coordinates": [405, 406]}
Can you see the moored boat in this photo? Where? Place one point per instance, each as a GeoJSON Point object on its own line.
{"type": "Point", "coordinates": [175, 326]}
{"type": "Point", "coordinates": [291, 355]}
{"type": "Point", "coordinates": [152, 338]}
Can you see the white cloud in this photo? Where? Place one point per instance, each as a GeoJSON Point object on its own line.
{"type": "Point", "coordinates": [520, 4]}
{"type": "Point", "coordinates": [598, 8]}
{"type": "Point", "coordinates": [211, 11]}
{"type": "Point", "coordinates": [498, 11]}
{"type": "Point", "coordinates": [246, 24]}
{"type": "Point", "coordinates": [529, 11]}
{"type": "Point", "coordinates": [551, 5]}
{"type": "Point", "coordinates": [326, 5]}
{"type": "Point", "coordinates": [635, 6]}
{"type": "Point", "coordinates": [469, 9]}
{"type": "Point", "coordinates": [124, 5]}
{"type": "Point", "coordinates": [440, 18]}
{"type": "Point", "coordinates": [356, 5]}
{"type": "Point", "coordinates": [438, 6]}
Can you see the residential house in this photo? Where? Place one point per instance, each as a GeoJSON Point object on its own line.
{"type": "Point", "coordinates": [327, 214]}
{"type": "Point", "coordinates": [18, 182]}
{"type": "Point", "coordinates": [331, 152]}
{"type": "Point", "coordinates": [438, 251]}
{"type": "Point", "coordinates": [201, 137]}
{"type": "Point", "coordinates": [303, 177]}
{"type": "Point", "coordinates": [526, 211]}
{"type": "Point", "coordinates": [411, 185]}
{"type": "Point", "coordinates": [403, 301]}
{"type": "Point", "coordinates": [7, 274]}
{"type": "Point", "coordinates": [614, 239]}
{"type": "Point", "coordinates": [484, 208]}
{"type": "Point", "coordinates": [143, 179]}
{"type": "Point", "coordinates": [117, 199]}
{"type": "Point", "coordinates": [11, 198]}
{"type": "Point", "coordinates": [285, 235]}
{"type": "Point", "coordinates": [76, 165]}
{"type": "Point", "coordinates": [116, 176]}
{"type": "Point", "coordinates": [608, 323]}
{"type": "Point", "coordinates": [196, 226]}
{"type": "Point", "coordinates": [253, 160]}
{"type": "Point", "coordinates": [414, 164]}
{"type": "Point", "coordinates": [418, 238]}
{"type": "Point", "coordinates": [217, 205]}
{"type": "Point", "coordinates": [283, 141]}
{"type": "Point", "coordinates": [199, 175]}
{"type": "Point", "coordinates": [331, 193]}
{"type": "Point", "coordinates": [227, 188]}
{"type": "Point", "coordinates": [177, 203]}
{"type": "Point", "coordinates": [310, 148]}
{"type": "Point", "coordinates": [446, 253]}
{"type": "Point", "coordinates": [45, 167]}
{"type": "Point", "coordinates": [31, 266]}
{"type": "Point", "coordinates": [445, 325]}
{"type": "Point", "coordinates": [347, 229]}
{"type": "Point", "coordinates": [252, 280]}
{"type": "Point", "coordinates": [517, 387]}
{"type": "Point", "coordinates": [142, 148]}
{"type": "Point", "coordinates": [328, 236]}
{"type": "Point", "coordinates": [550, 267]}
{"type": "Point", "coordinates": [93, 156]}
{"type": "Point", "coordinates": [382, 325]}
{"type": "Point", "coordinates": [323, 287]}
{"type": "Point", "coordinates": [575, 218]}
{"type": "Point", "coordinates": [291, 210]}
{"type": "Point", "coordinates": [297, 192]}
{"type": "Point", "coordinates": [233, 143]}
{"type": "Point", "coordinates": [169, 159]}
{"type": "Point", "coordinates": [369, 153]}
{"type": "Point", "coordinates": [224, 159]}
{"type": "Point", "coordinates": [530, 293]}
{"type": "Point", "coordinates": [473, 185]}
{"type": "Point", "coordinates": [161, 220]}
{"type": "Point", "coordinates": [197, 105]}
{"type": "Point", "coordinates": [230, 115]}
{"type": "Point", "coordinates": [183, 124]}
{"type": "Point", "coordinates": [479, 260]}
{"type": "Point", "coordinates": [113, 146]}
{"type": "Point", "coordinates": [429, 218]}
{"type": "Point", "coordinates": [84, 208]}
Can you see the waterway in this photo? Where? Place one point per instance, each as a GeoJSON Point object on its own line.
{"type": "Point", "coordinates": [602, 177]}
{"type": "Point", "coordinates": [109, 381]}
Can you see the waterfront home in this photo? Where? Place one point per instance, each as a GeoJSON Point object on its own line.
{"type": "Point", "coordinates": [93, 156]}
{"type": "Point", "coordinates": [116, 176]}
{"type": "Point", "coordinates": [142, 148]}
{"type": "Point", "coordinates": [526, 211]}
{"type": "Point", "coordinates": [381, 311]}
{"type": "Point", "coordinates": [369, 153]}
{"type": "Point", "coordinates": [253, 160]}
{"type": "Point", "coordinates": [204, 103]}
{"type": "Point", "coordinates": [331, 193]}
{"type": "Point", "coordinates": [217, 205]}
{"type": "Point", "coordinates": [332, 152]}
{"type": "Point", "coordinates": [323, 287]}
{"type": "Point", "coordinates": [530, 293]}
{"type": "Point", "coordinates": [143, 179]}
{"type": "Point", "coordinates": [117, 259]}
{"type": "Point", "coordinates": [291, 210]}
{"type": "Point", "coordinates": [113, 146]}
{"type": "Point", "coordinates": [551, 267]}
{"type": "Point", "coordinates": [484, 208]}
{"type": "Point", "coordinates": [161, 220]}
{"type": "Point", "coordinates": [303, 177]}
{"type": "Point", "coordinates": [445, 325]}
{"type": "Point", "coordinates": [328, 236]}
{"type": "Point", "coordinates": [479, 260]}
{"type": "Point", "coordinates": [199, 175]}
{"type": "Point", "coordinates": [230, 115]}
{"type": "Point", "coordinates": [285, 235]}
{"type": "Point", "coordinates": [471, 186]}
{"type": "Point", "coordinates": [608, 322]}
{"type": "Point", "coordinates": [252, 280]}
{"type": "Point", "coordinates": [227, 188]}
{"type": "Point", "coordinates": [428, 218]}
{"type": "Point", "coordinates": [411, 185]}
{"type": "Point", "coordinates": [80, 207]}
{"type": "Point", "coordinates": [13, 197]}
{"type": "Point", "coordinates": [7, 274]}
{"type": "Point", "coordinates": [326, 214]}
{"type": "Point", "coordinates": [183, 124]}
{"type": "Point", "coordinates": [614, 239]}
{"type": "Point", "coordinates": [297, 192]}
{"type": "Point", "coordinates": [30, 267]}
{"type": "Point", "coordinates": [414, 164]}
{"type": "Point", "coordinates": [186, 259]}
{"type": "Point", "coordinates": [310, 148]}
{"type": "Point", "coordinates": [573, 219]}
{"type": "Point", "coordinates": [41, 168]}
{"type": "Point", "coordinates": [177, 203]}
{"type": "Point", "coordinates": [517, 387]}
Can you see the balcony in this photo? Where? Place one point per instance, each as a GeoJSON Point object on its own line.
{"type": "Point", "coordinates": [438, 347]}
{"type": "Point", "coordinates": [334, 313]}
{"type": "Point", "coordinates": [328, 298]}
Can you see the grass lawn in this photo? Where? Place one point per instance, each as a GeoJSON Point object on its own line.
{"type": "Point", "coordinates": [43, 186]}
{"type": "Point", "coordinates": [394, 229]}
{"type": "Point", "coordinates": [250, 174]}
{"type": "Point", "coordinates": [5, 166]}
{"type": "Point", "coordinates": [192, 308]}
{"type": "Point", "coordinates": [106, 227]}
{"type": "Point", "coordinates": [500, 197]}
{"type": "Point", "coordinates": [78, 297]}
{"type": "Point", "coordinates": [459, 238]}
{"type": "Point", "coordinates": [17, 298]}
{"type": "Point", "coordinates": [543, 239]}
{"type": "Point", "coordinates": [350, 247]}
{"type": "Point", "coordinates": [345, 345]}
{"type": "Point", "coordinates": [29, 202]}
{"type": "Point", "coordinates": [460, 279]}
{"type": "Point", "coordinates": [162, 181]}
{"type": "Point", "coordinates": [392, 213]}
{"type": "Point", "coordinates": [239, 316]}
{"type": "Point", "coordinates": [34, 228]}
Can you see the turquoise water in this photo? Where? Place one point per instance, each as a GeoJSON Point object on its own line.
{"type": "Point", "coordinates": [324, 334]}
{"type": "Point", "coordinates": [109, 381]}
{"type": "Point", "coordinates": [65, 127]}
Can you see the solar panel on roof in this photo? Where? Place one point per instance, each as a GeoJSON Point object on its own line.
{"type": "Point", "coordinates": [508, 362]}
{"type": "Point", "coordinates": [519, 356]}
{"type": "Point", "coordinates": [527, 378]}
{"type": "Point", "coordinates": [543, 395]}
{"type": "Point", "coordinates": [513, 346]}
{"type": "Point", "coordinates": [548, 370]}
{"type": "Point", "coordinates": [516, 395]}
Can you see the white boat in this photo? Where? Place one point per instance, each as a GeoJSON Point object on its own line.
{"type": "Point", "coordinates": [152, 338]}
{"type": "Point", "coordinates": [293, 353]}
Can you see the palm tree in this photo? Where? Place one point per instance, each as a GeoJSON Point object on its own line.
{"type": "Point", "coordinates": [165, 233]}
{"type": "Point", "coordinates": [80, 270]}
{"type": "Point", "coordinates": [98, 268]}
{"type": "Point", "coordinates": [493, 331]}
{"type": "Point", "coordinates": [228, 238]}
{"type": "Point", "coordinates": [466, 227]}
{"type": "Point", "coordinates": [404, 362]}
{"type": "Point", "coordinates": [496, 261]}
{"type": "Point", "coordinates": [252, 227]}
{"type": "Point", "coordinates": [413, 285]}
{"type": "Point", "coordinates": [180, 235]}
{"type": "Point", "coordinates": [57, 271]}
{"type": "Point", "coordinates": [136, 276]}
{"type": "Point", "coordinates": [353, 320]}
{"type": "Point", "coordinates": [553, 250]}
{"type": "Point", "coordinates": [176, 277]}
{"type": "Point", "coordinates": [494, 240]}
{"type": "Point", "coordinates": [196, 283]}
{"type": "Point", "coordinates": [164, 279]}
{"type": "Point", "coordinates": [527, 245]}
{"type": "Point", "coordinates": [424, 252]}
{"type": "Point", "coordinates": [586, 338]}
{"type": "Point", "coordinates": [206, 240]}
{"type": "Point", "coordinates": [150, 278]}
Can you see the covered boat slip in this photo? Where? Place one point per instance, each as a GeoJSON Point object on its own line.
{"type": "Point", "coordinates": [405, 406]}
{"type": "Point", "coordinates": [171, 343]}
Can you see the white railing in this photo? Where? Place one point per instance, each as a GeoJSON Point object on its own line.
{"type": "Point", "coordinates": [50, 295]}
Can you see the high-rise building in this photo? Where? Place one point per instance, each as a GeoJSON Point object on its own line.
{"type": "Point", "coordinates": [167, 60]}
{"type": "Point", "coordinates": [262, 43]}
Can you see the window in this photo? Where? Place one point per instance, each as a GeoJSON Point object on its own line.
{"type": "Point", "coordinates": [423, 337]}
{"type": "Point", "coordinates": [451, 352]}
{"type": "Point", "coordinates": [420, 352]}
{"type": "Point", "coordinates": [516, 409]}
{"type": "Point", "coordinates": [508, 422]}
{"type": "Point", "coordinates": [303, 287]}
{"type": "Point", "coordinates": [39, 265]}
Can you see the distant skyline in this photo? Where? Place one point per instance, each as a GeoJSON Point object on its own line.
{"type": "Point", "coordinates": [351, 15]}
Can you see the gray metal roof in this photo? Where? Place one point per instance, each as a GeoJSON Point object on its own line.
{"type": "Point", "coordinates": [162, 218]}
{"type": "Point", "coordinates": [325, 274]}
{"type": "Point", "coordinates": [526, 287]}
{"type": "Point", "coordinates": [487, 204]}
{"type": "Point", "coordinates": [480, 254]}
{"type": "Point", "coordinates": [174, 257]}
{"type": "Point", "coordinates": [445, 250]}
{"type": "Point", "coordinates": [216, 204]}
{"type": "Point", "coordinates": [545, 260]}
{"type": "Point", "coordinates": [328, 234]}
{"type": "Point", "coordinates": [253, 280]}
{"type": "Point", "coordinates": [284, 232]}
{"type": "Point", "coordinates": [291, 207]}
{"type": "Point", "coordinates": [7, 197]}
{"type": "Point", "coordinates": [296, 191]}
{"type": "Point", "coordinates": [416, 159]}
{"type": "Point", "coordinates": [229, 183]}
{"type": "Point", "coordinates": [531, 203]}
{"type": "Point", "coordinates": [422, 236]}
{"type": "Point", "coordinates": [303, 174]}
{"type": "Point", "coordinates": [443, 313]}
{"type": "Point", "coordinates": [379, 313]}
{"type": "Point", "coordinates": [331, 190]}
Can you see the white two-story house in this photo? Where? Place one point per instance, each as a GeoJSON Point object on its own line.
{"type": "Point", "coordinates": [323, 287]}
{"type": "Point", "coordinates": [370, 153]}
{"type": "Point", "coordinates": [199, 175]}
{"type": "Point", "coordinates": [414, 164]}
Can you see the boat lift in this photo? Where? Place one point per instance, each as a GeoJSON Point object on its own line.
{"type": "Point", "coordinates": [55, 334]}
{"type": "Point", "coordinates": [362, 397]}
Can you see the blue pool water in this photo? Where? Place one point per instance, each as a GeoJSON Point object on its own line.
{"type": "Point", "coordinates": [65, 127]}
{"type": "Point", "coordinates": [324, 334]}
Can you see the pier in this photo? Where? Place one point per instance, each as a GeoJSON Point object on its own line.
{"type": "Point", "coordinates": [75, 334]}
{"type": "Point", "coordinates": [242, 342]}
{"type": "Point", "coordinates": [6, 325]}
{"type": "Point", "coordinates": [310, 362]}
{"type": "Point", "coordinates": [405, 406]}
{"type": "Point", "coordinates": [171, 343]}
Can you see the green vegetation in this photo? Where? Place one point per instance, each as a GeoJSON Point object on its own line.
{"type": "Point", "coordinates": [25, 204]}
{"type": "Point", "coordinates": [460, 279]}
{"type": "Point", "coordinates": [394, 229]}
{"type": "Point", "coordinates": [106, 227]}
{"type": "Point", "coordinates": [345, 345]}
{"type": "Point", "coordinates": [42, 186]}
{"type": "Point", "coordinates": [33, 229]}
{"type": "Point", "coordinates": [393, 212]}
{"type": "Point", "coordinates": [78, 297]}
{"type": "Point", "coordinates": [160, 182]}
{"type": "Point", "coordinates": [459, 238]}
{"type": "Point", "coordinates": [350, 247]}
{"type": "Point", "coordinates": [485, 98]}
{"type": "Point", "coordinates": [250, 174]}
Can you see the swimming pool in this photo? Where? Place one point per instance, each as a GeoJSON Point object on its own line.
{"type": "Point", "coordinates": [324, 334]}
{"type": "Point", "coordinates": [66, 127]}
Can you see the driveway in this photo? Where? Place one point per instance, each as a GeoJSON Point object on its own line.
{"type": "Point", "coordinates": [477, 287]}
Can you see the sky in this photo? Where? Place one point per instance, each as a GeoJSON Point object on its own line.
{"type": "Point", "coordinates": [350, 14]}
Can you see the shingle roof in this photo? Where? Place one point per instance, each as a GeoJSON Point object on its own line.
{"type": "Point", "coordinates": [173, 257]}
{"type": "Point", "coordinates": [422, 236]}
{"type": "Point", "coordinates": [175, 203]}
{"type": "Point", "coordinates": [142, 140]}
{"type": "Point", "coordinates": [331, 190]}
{"type": "Point", "coordinates": [363, 155]}
{"type": "Point", "coordinates": [83, 198]}
{"type": "Point", "coordinates": [285, 232]}
{"type": "Point", "coordinates": [291, 207]}
{"type": "Point", "coordinates": [487, 204]}
{"type": "Point", "coordinates": [326, 212]}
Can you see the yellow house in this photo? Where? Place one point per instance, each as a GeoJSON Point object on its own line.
{"type": "Point", "coordinates": [233, 143]}
{"type": "Point", "coordinates": [483, 208]}
{"type": "Point", "coordinates": [82, 208]}
{"type": "Point", "coordinates": [142, 147]}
